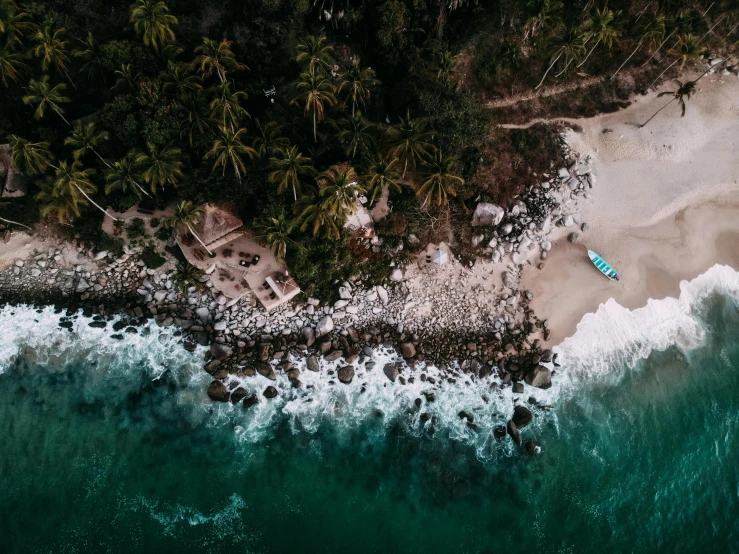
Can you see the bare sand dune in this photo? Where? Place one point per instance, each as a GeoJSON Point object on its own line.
{"type": "Point", "coordinates": [665, 207]}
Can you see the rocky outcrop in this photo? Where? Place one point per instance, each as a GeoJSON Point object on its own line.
{"type": "Point", "coordinates": [346, 374]}
{"type": "Point", "coordinates": [522, 416]}
{"type": "Point", "coordinates": [218, 392]}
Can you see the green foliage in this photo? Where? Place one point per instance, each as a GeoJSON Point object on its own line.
{"type": "Point", "coordinates": [151, 258]}
{"type": "Point", "coordinates": [136, 228]}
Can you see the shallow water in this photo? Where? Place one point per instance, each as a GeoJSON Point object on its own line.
{"type": "Point", "coordinates": [111, 446]}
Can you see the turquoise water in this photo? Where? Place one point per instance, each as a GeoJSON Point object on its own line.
{"type": "Point", "coordinates": [110, 446]}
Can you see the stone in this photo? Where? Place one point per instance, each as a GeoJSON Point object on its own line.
{"type": "Point", "coordinates": [513, 432]}
{"type": "Point", "coordinates": [346, 374]}
{"type": "Point", "coordinates": [250, 400]}
{"type": "Point", "coordinates": [221, 325]}
{"type": "Point", "coordinates": [270, 392]}
{"type": "Point", "coordinates": [218, 392]}
{"type": "Point", "coordinates": [220, 351]}
{"type": "Point", "coordinates": [396, 275]}
{"type": "Point", "coordinates": [573, 237]}
{"type": "Point", "coordinates": [408, 350]}
{"type": "Point", "coordinates": [266, 370]}
{"type": "Point", "coordinates": [382, 293]}
{"type": "Point", "coordinates": [518, 388]}
{"type": "Point", "coordinates": [309, 335]}
{"type": "Point", "coordinates": [238, 394]}
{"type": "Point", "coordinates": [532, 447]}
{"type": "Point", "coordinates": [540, 377]}
{"type": "Point", "coordinates": [522, 416]}
{"type": "Point", "coordinates": [312, 363]}
{"type": "Point", "coordinates": [499, 432]}
{"type": "Point", "coordinates": [203, 314]}
{"type": "Point", "coordinates": [333, 356]}
{"type": "Point", "coordinates": [391, 371]}
{"type": "Point", "coordinates": [325, 326]}
{"type": "Point", "coordinates": [568, 221]}
{"type": "Point", "coordinates": [487, 214]}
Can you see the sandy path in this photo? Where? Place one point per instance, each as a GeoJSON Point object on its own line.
{"type": "Point", "coordinates": [665, 206]}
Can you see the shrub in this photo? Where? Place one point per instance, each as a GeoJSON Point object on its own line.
{"type": "Point", "coordinates": [136, 228]}
{"type": "Point", "coordinates": [151, 258]}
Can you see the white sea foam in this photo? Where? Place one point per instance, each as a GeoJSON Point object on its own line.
{"type": "Point", "coordinates": [607, 341]}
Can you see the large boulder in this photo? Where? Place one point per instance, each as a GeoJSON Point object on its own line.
{"type": "Point", "coordinates": [238, 394]}
{"type": "Point", "coordinates": [217, 391]}
{"type": "Point", "coordinates": [270, 392]}
{"type": "Point", "coordinates": [513, 432]}
{"type": "Point", "coordinates": [309, 335]}
{"type": "Point", "coordinates": [540, 377]}
{"type": "Point", "coordinates": [312, 363]}
{"type": "Point", "coordinates": [408, 350]}
{"type": "Point", "coordinates": [522, 416]}
{"type": "Point", "coordinates": [325, 326]}
{"type": "Point", "coordinates": [266, 370]}
{"type": "Point", "coordinates": [333, 355]}
{"type": "Point", "coordinates": [220, 351]}
{"type": "Point", "coordinates": [250, 400]}
{"type": "Point", "coordinates": [487, 214]}
{"type": "Point", "coordinates": [532, 447]}
{"type": "Point", "coordinates": [391, 371]}
{"type": "Point", "coordinates": [346, 374]}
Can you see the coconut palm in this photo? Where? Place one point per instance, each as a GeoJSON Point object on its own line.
{"type": "Point", "coordinates": [226, 106]}
{"type": "Point", "coordinates": [229, 151]}
{"type": "Point", "coordinates": [73, 182]}
{"type": "Point", "coordinates": [160, 165]}
{"type": "Point", "coordinates": [651, 31]}
{"type": "Point", "coordinates": [314, 215]}
{"type": "Point", "coordinates": [568, 46]}
{"type": "Point", "coordinates": [179, 80]}
{"type": "Point", "coordinates": [14, 23]}
{"type": "Point", "coordinates": [216, 56]}
{"type": "Point", "coordinates": [186, 214]}
{"type": "Point", "coordinates": [382, 172]}
{"type": "Point", "coordinates": [288, 166]}
{"type": "Point", "coordinates": [44, 97]}
{"type": "Point", "coordinates": [52, 49]}
{"type": "Point", "coordinates": [445, 67]}
{"type": "Point", "coordinates": [545, 16]}
{"type": "Point", "coordinates": [124, 174]}
{"type": "Point", "coordinates": [314, 54]}
{"type": "Point", "coordinates": [152, 20]}
{"type": "Point", "coordinates": [11, 63]}
{"type": "Point", "coordinates": [170, 51]}
{"type": "Point", "coordinates": [357, 84]}
{"type": "Point", "coordinates": [410, 141]}
{"type": "Point", "coordinates": [29, 157]}
{"type": "Point", "coordinates": [683, 93]}
{"type": "Point", "coordinates": [339, 190]}
{"type": "Point", "coordinates": [276, 231]}
{"type": "Point", "coordinates": [54, 204]}
{"type": "Point", "coordinates": [357, 134]}
{"type": "Point", "coordinates": [125, 79]}
{"type": "Point", "coordinates": [315, 92]}
{"type": "Point", "coordinates": [269, 139]}
{"type": "Point", "coordinates": [605, 26]}
{"type": "Point", "coordinates": [4, 205]}
{"type": "Point", "coordinates": [439, 180]}
{"type": "Point", "coordinates": [86, 138]}
{"type": "Point", "coordinates": [92, 56]}
{"type": "Point", "coordinates": [688, 49]}
{"type": "Point", "coordinates": [187, 275]}
{"type": "Point", "coordinates": [198, 117]}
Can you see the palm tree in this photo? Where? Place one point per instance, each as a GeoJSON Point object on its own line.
{"type": "Point", "coordinates": [356, 133]}
{"type": "Point", "coordinates": [357, 84]}
{"type": "Point", "coordinates": [179, 81]}
{"type": "Point", "coordinates": [445, 67]}
{"type": "Point", "coordinates": [276, 233]}
{"type": "Point", "coordinates": [125, 79]}
{"type": "Point", "coordinates": [46, 97]}
{"type": "Point", "coordinates": [568, 47]}
{"type": "Point", "coordinates": [545, 15]}
{"type": "Point", "coordinates": [84, 138]}
{"type": "Point", "coordinates": [186, 276]}
{"type": "Point", "coordinates": [13, 22]}
{"type": "Point", "coordinates": [604, 26]}
{"type": "Point", "coordinates": [53, 203]}
{"type": "Point", "coordinates": [73, 181]}
{"type": "Point", "coordinates": [688, 49]}
{"type": "Point", "coordinates": [198, 117]}
{"type": "Point", "coordinates": [288, 166]}
{"type": "Point", "coordinates": [92, 55]}
{"type": "Point", "coordinates": [11, 62]}
{"type": "Point", "coordinates": [439, 181]}
{"type": "Point", "coordinates": [269, 139]}
{"type": "Point", "coordinates": [315, 54]}
{"type": "Point", "coordinates": [160, 165]}
{"type": "Point", "coordinates": [410, 141]}
{"type": "Point", "coordinates": [683, 93]}
{"type": "Point", "coordinates": [29, 157]}
{"type": "Point", "coordinates": [187, 214]}
{"type": "Point", "coordinates": [382, 172]}
{"type": "Point", "coordinates": [52, 50]}
{"type": "Point", "coordinates": [229, 151]}
{"type": "Point", "coordinates": [651, 30]}
{"type": "Point", "coordinates": [216, 56]}
{"type": "Point", "coordinates": [151, 18]}
{"type": "Point", "coordinates": [313, 214]}
{"type": "Point", "coordinates": [226, 106]}
{"type": "Point", "coordinates": [316, 92]}
{"type": "Point", "coordinates": [10, 221]}
{"type": "Point", "coordinates": [339, 190]}
{"type": "Point", "coordinates": [123, 174]}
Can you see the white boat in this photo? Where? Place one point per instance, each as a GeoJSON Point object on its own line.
{"type": "Point", "coordinates": [603, 266]}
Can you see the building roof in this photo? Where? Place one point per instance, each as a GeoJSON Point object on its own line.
{"type": "Point", "coordinates": [217, 223]}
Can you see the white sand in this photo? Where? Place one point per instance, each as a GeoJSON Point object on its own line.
{"type": "Point", "coordinates": [665, 206]}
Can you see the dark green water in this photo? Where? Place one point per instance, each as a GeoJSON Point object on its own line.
{"type": "Point", "coordinates": [96, 458]}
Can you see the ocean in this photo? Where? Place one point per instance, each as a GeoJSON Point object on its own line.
{"type": "Point", "coordinates": [112, 446]}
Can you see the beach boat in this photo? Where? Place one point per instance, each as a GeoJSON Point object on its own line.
{"type": "Point", "coordinates": [603, 266]}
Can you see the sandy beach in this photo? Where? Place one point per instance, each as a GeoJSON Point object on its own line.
{"type": "Point", "coordinates": [665, 207]}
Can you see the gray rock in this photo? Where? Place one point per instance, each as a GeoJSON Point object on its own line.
{"type": "Point", "coordinates": [218, 392]}
{"type": "Point", "coordinates": [325, 326]}
{"type": "Point", "coordinates": [540, 377]}
{"type": "Point", "coordinates": [312, 363]}
{"type": "Point", "coordinates": [573, 237]}
{"type": "Point", "coordinates": [270, 392]}
{"type": "Point", "coordinates": [220, 351]}
{"type": "Point", "coordinates": [522, 416]}
{"type": "Point", "coordinates": [333, 356]}
{"type": "Point", "coordinates": [346, 374]}
{"type": "Point", "coordinates": [396, 275]}
{"type": "Point", "coordinates": [408, 350]}
{"type": "Point", "coordinates": [391, 371]}
{"type": "Point", "coordinates": [513, 432]}
{"type": "Point", "coordinates": [309, 335]}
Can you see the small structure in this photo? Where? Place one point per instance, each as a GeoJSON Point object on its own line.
{"type": "Point", "coordinates": [240, 265]}
{"type": "Point", "coordinates": [440, 257]}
